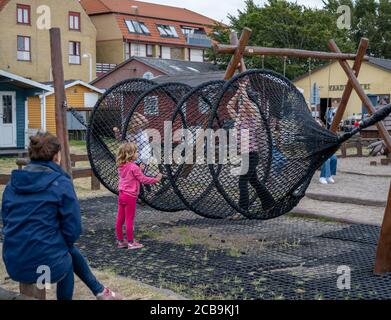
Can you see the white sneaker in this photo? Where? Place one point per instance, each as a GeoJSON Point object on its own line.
{"type": "Point", "coordinates": [330, 180]}
{"type": "Point", "coordinates": [323, 181]}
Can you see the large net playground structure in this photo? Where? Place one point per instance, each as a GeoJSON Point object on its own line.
{"type": "Point", "coordinates": [248, 145]}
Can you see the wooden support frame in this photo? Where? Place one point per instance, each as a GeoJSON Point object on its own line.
{"type": "Point", "coordinates": [353, 81]}
{"type": "Point", "coordinates": [383, 254]}
{"type": "Point", "coordinates": [383, 258]}
{"type": "Point", "coordinates": [238, 54]}
{"type": "Point", "coordinates": [362, 49]}
{"type": "Point", "coordinates": [60, 98]}
{"type": "Point", "coordinates": [235, 41]}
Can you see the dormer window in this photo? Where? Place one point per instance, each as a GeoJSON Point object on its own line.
{"type": "Point", "coordinates": [137, 27]}
{"type": "Point", "coordinates": [74, 21]}
{"type": "Point", "coordinates": [23, 14]}
{"type": "Point", "coordinates": [167, 31]}
{"type": "Point", "coordinates": [191, 30]}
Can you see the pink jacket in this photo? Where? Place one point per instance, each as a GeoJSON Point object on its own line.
{"type": "Point", "coordinates": [130, 178]}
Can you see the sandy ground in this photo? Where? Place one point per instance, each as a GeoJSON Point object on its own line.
{"type": "Point", "coordinates": [130, 289]}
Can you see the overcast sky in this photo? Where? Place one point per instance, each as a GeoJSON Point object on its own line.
{"type": "Point", "coordinates": [219, 9]}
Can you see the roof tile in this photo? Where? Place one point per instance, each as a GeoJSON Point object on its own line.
{"type": "Point", "coordinates": [154, 36]}
{"type": "Point", "coordinates": [145, 9]}
{"type": "Point", "coordinates": [3, 4]}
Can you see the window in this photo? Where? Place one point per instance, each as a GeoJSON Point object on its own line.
{"type": "Point", "coordinates": [7, 109]}
{"type": "Point", "coordinates": [135, 50]}
{"type": "Point", "coordinates": [148, 75]}
{"type": "Point", "coordinates": [151, 106]}
{"type": "Point", "coordinates": [74, 52]}
{"type": "Point", "coordinates": [165, 52]}
{"type": "Point", "coordinates": [24, 49]}
{"type": "Point", "coordinates": [190, 30]}
{"type": "Point", "coordinates": [23, 14]}
{"type": "Point", "coordinates": [74, 21]}
{"type": "Point", "coordinates": [149, 50]}
{"type": "Point", "coordinates": [167, 31]}
{"type": "Point", "coordinates": [137, 27]}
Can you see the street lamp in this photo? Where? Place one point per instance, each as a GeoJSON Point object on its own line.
{"type": "Point", "coordinates": [89, 56]}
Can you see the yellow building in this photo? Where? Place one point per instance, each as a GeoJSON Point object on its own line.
{"type": "Point", "coordinates": [375, 77]}
{"type": "Point", "coordinates": [41, 109]}
{"type": "Point", "coordinates": [25, 42]}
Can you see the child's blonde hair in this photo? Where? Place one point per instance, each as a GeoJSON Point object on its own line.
{"type": "Point", "coordinates": [127, 153]}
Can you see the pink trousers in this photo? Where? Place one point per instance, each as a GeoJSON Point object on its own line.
{"type": "Point", "coordinates": [126, 214]}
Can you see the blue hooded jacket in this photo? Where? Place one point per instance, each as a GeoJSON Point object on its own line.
{"type": "Point", "coordinates": [41, 221]}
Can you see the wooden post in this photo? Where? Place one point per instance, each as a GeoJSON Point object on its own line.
{"type": "Point", "coordinates": [95, 184]}
{"type": "Point", "coordinates": [359, 149]}
{"type": "Point", "coordinates": [344, 150]}
{"type": "Point", "coordinates": [31, 290]}
{"type": "Point", "coordinates": [60, 98]}
{"type": "Point", "coordinates": [366, 101]}
{"type": "Point", "coordinates": [238, 54]}
{"type": "Point", "coordinates": [383, 255]}
{"type": "Point", "coordinates": [362, 49]}
{"type": "Point", "coordinates": [235, 41]}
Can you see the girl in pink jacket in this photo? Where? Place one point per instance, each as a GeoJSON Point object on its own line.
{"type": "Point", "coordinates": [130, 178]}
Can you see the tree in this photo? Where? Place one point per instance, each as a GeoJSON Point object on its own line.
{"type": "Point", "coordinates": [282, 24]}
{"type": "Point", "coordinates": [370, 19]}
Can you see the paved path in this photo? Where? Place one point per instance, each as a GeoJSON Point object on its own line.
{"type": "Point", "coordinates": [359, 196]}
{"type": "Point", "coordinates": [361, 166]}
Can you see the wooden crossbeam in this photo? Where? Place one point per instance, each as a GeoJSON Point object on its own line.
{"type": "Point", "coordinates": [283, 52]}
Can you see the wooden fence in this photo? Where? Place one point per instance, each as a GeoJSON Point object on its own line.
{"type": "Point", "coordinates": [77, 173]}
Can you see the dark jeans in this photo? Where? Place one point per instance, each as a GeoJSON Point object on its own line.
{"type": "Point", "coordinates": [252, 178]}
{"type": "Point", "coordinates": [82, 270]}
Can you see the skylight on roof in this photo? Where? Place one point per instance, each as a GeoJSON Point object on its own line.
{"type": "Point", "coordinates": [137, 27]}
{"type": "Point", "coordinates": [176, 68]}
{"type": "Point", "coordinates": [167, 31]}
{"type": "Point", "coordinates": [193, 69]}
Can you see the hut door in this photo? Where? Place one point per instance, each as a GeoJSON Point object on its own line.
{"type": "Point", "coordinates": [7, 119]}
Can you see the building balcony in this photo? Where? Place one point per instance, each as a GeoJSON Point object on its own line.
{"type": "Point", "coordinates": [200, 40]}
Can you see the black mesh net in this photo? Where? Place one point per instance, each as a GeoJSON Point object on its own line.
{"type": "Point", "coordinates": [110, 112]}
{"type": "Point", "coordinates": [248, 146]}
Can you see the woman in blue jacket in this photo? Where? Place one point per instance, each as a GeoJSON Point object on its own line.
{"type": "Point", "coordinates": [42, 222]}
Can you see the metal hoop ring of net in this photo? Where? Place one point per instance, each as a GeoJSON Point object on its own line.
{"type": "Point", "coordinates": [146, 120]}
{"type": "Point", "coordinates": [110, 112]}
{"type": "Point", "coordinates": [285, 145]}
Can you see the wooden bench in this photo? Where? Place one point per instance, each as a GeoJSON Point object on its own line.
{"type": "Point", "coordinates": [355, 143]}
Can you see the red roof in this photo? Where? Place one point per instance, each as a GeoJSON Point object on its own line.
{"type": "Point", "coordinates": [3, 3]}
{"type": "Point", "coordinates": [145, 9]}
{"type": "Point", "coordinates": [154, 36]}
